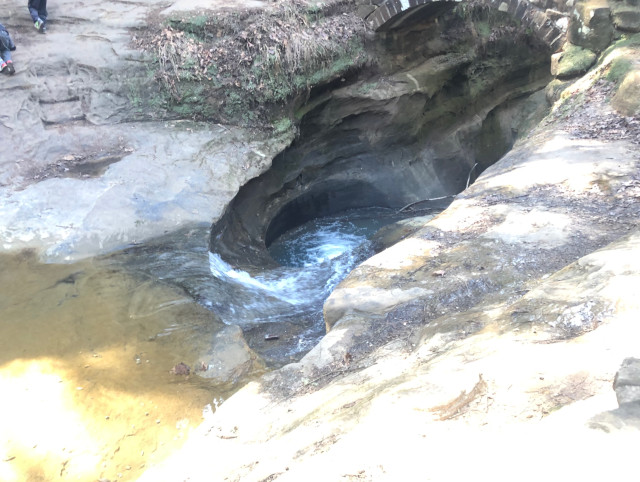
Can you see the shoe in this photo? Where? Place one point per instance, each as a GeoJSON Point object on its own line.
{"type": "Point", "coordinates": [43, 29]}
{"type": "Point", "coordinates": [38, 24]}
{"type": "Point", "coordinates": [10, 68]}
{"type": "Point", "coordinates": [2, 66]}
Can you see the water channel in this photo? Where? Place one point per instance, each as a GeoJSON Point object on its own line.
{"type": "Point", "coordinates": [280, 309]}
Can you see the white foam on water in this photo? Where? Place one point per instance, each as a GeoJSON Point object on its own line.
{"type": "Point", "coordinates": [281, 287]}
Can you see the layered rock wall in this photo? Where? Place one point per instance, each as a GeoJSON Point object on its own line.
{"type": "Point", "coordinates": [410, 127]}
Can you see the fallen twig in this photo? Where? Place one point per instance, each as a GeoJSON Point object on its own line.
{"type": "Point", "coordinates": [424, 201]}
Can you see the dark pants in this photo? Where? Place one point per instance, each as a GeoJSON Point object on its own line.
{"type": "Point", "coordinates": [40, 12]}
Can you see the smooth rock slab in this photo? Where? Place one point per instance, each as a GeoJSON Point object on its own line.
{"type": "Point", "coordinates": [169, 175]}
{"type": "Point", "coordinates": [90, 169]}
{"type": "Point", "coordinates": [230, 358]}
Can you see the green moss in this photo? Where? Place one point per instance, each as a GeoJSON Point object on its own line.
{"type": "Point", "coordinates": [315, 11]}
{"type": "Point", "coordinates": [618, 68]}
{"type": "Point", "coordinates": [196, 25]}
{"type": "Point", "coordinates": [627, 98]}
{"type": "Point", "coordinates": [146, 101]}
{"type": "Point", "coordinates": [625, 41]}
{"type": "Point", "coordinates": [572, 61]}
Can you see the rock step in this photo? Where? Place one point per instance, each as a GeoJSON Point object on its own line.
{"type": "Point", "coordinates": [61, 112]}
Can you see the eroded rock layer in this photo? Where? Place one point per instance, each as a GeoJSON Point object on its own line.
{"type": "Point", "coordinates": [442, 96]}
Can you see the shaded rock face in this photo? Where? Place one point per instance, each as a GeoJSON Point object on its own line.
{"type": "Point", "coordinates": [626, 15]}
{"type": "Point", "coordinates": [442, 97]}
{"type": "Point", "coordinates": [591, 26]}
{"type": "Point", "coordinates": [627, 387]}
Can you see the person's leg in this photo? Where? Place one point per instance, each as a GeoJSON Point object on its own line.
{"type": "Point", "coordinates": [6, 63]}
{"type": "Point", "coordinates": [5, 45]}
{"type": "Point", "coordinates": [39, 22]}
{"type": "Point", "coordinates": [42, 11]}
{"type": "Point", "coordinates": [39, 16]}
{"type": "Point", "coordinates": [34, 14]}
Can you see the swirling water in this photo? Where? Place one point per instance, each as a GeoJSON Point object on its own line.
{"type": "Point", "coordinates": [314, 258]}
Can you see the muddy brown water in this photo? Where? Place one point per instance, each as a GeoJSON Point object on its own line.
{"type": "Point", "coordinates": [86, 351]}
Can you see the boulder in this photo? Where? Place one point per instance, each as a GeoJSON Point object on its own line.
{"type": "Point", "coordinates": [230, 358]}
{"type": "Point", "coordinates": [626, 17]}
{"type": "Point", "coordinates": [627, 98]}
{"type": "Point", "coordinates": [627, 381]}
{"type": "Point", "coordinates": [554, 89]}
{"type": "Point", "coordinates": [572, 61]}
{"type": "Point", "coordinates": [590, 25]}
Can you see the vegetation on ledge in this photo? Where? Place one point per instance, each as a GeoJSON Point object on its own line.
{"type": "Point", "coordinates": [246, 67]}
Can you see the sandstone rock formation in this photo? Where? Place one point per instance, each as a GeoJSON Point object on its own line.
{"type": "Point", "coordinates": [492, 333]}
{"type": "Point", "coordinates": [485, 340]}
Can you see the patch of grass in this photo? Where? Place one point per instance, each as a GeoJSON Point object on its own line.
{"type": "Point", "coordinates": [196, 26]}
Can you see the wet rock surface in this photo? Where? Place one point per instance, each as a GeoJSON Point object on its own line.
{"type": "Point", "coordinates": [230, 359]}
